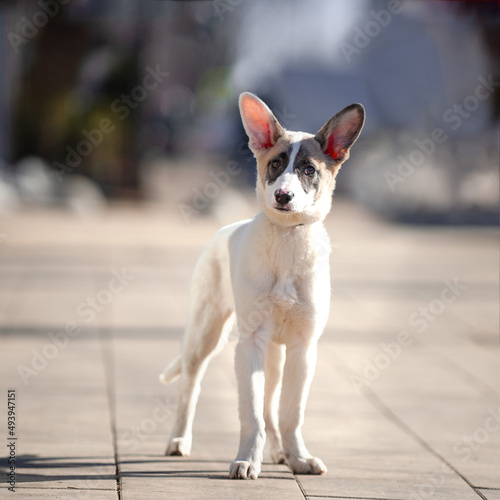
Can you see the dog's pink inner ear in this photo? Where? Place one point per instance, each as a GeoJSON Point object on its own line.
{"type": "Point", "coordinates": [258, 124]}
{"type": "Point", "coordinates": [339, 133]}
{"type": "Point", "coordinates": [334, 148]}
{"type": "Point", "coordinates": [261, 139]}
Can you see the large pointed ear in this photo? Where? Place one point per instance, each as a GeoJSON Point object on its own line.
{"type": "Point", "coordinates": [261, 126]}
{"type": "Point", "coordinates": [340, 132]}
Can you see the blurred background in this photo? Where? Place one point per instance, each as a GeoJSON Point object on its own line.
{"type": "Point", "coordinates": [106, 100]}
{"type": "Point", "coordinates": [122, 152]}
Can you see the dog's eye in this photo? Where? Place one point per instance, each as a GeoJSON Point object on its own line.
{"type": "Point", "coordinates": [276, 164]}
{"type": "Point", "coordinates": [309, 170]}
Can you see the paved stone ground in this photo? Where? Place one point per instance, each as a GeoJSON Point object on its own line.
{"type": "Point", "coordinates": [405, 403]}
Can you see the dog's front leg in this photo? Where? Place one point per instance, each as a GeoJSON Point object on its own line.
{"type": "Point", "coordinates": [249, 363]}
{"type": "Point", "coordinates": [298, 373]}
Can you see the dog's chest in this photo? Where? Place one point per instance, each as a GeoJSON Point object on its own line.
{"type": "Point", "coordinates": [290, 257]}
{"type": "Point", "coordinates": [280, 275]}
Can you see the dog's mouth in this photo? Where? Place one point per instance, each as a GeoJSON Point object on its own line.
{"type": "Point", "coordinates": [281, 208]}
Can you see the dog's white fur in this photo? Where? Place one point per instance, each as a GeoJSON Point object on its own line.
{"type": "Point", "coordinates": [273, 272]}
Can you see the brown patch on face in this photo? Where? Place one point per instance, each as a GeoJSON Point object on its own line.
{"type": "Point", "coordinates": [283, 145]}
{"type": "Point", "coordinates": [328, 168]}
{"type": "Point", "coordinates": [314, 151]}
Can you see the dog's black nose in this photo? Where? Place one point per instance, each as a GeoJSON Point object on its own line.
{"type": "Point", "coordinates": [283, 197]}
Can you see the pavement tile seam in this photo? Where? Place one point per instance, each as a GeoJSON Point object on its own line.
{"type": "Point", "coordinates": [461, 373]}
{"type": "Point", "coordinates": [109, 373]}
{"type": "Point", "coordinates": [19, 487]}
{"type": "Point", "coordinates": [389, 414]}
{"type": "Point", "coordinates": [351, 498]}
{"type": "Point", "coordinates": [154, 333]}
{"type": "Point", "coordinates": [299, 484]}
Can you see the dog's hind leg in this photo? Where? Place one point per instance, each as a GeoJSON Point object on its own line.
{"type": "Point", "coordinates": [196, 355]}
{"type": "Point", "coordinates": [275, 358]}
{"type": "Point", "coordinates": [210, 321]}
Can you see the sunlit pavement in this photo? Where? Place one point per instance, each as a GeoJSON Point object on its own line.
{"type": "Point", "coordinates": [405, 403]}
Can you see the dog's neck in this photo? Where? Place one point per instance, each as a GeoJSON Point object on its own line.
{"type": "Point", "coordinates": [284, 226]}
{"type": "Point", "coordinates": [292, 250]}
{"type": "Point", "coordinates": [289, 223]}
{"type": "Point", "coordinates": [300, 233]}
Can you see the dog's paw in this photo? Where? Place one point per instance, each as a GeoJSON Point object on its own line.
{"type": "Point", "coordinates": [241, 469]}
{"type": "Point", "coordinates": [179, 447]}
{"type": "Point", "coordinates": [311, 465]}
{"type": "Point", "coordinates": [277, 456]}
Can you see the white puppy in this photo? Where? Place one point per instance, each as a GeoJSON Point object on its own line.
{"type": "Point", "coordinates": [273, 272]}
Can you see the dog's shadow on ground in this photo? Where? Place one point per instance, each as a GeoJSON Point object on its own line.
{"type": "Point", "coordinates": [35, 469]}
{"type": "Point", "coordinates": [176, 467]}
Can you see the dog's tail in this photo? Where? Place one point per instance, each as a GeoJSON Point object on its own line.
{"type": "Point", "coordinates": [172, 371]}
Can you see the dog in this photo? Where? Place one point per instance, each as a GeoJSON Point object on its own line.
{"type": "Point", "coordinates": [272, 273]}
